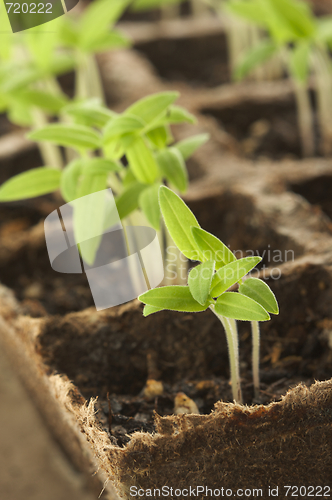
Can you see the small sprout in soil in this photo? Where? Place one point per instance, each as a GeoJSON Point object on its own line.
{"type": "Point", "coordinates": [208, 283]}
{"type": "Point", "coordinates": [100, 139]}
{"type": "Point", "coordinates": [303, 43]}
{"type": "Point", "coordinates": [183, 404]}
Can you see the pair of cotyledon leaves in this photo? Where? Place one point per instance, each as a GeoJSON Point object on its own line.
{"type": "Point", "coordinates": [208, 282]}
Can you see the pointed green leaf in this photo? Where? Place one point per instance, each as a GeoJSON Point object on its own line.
{"type": "Point", "coordinates": [250, 11]}
{"type": "Point", "coordinates": [151, 107]}
{"type": "Point", "coordinates": [90, 113]}
{"type": "Point", "coordinates": [231, 274]}
{"type": "Point", "coordinates": [109, 41]}
{"type": "Point", "coordinates": [70, 180]}
{"type": "Point", "coordinates": [259, 291]}
{"type": "Point", "coordinates": [178, 114]}
{"type": "Point", "coordinates": [254, 57]}
{"type": "Point", "coordinates": [158, 136]}
{"type": "Point", "coordinates": [187, 147]}
{"type": "Point", "coordinates": [212, 248]}
{"type": "Point", "coordinates": [174, 298]}
{"type": "Point", "coordinates": [96, 166]}
{"type": "Point", "coordinates": [199, 281]}
{"type": "Point", "coordinates": [151, 310]}
{"type": "Point", "coordinates": [149, 203]}
{"type": "Point", "coordinates": [127, 202]}
{"type": "Point", "coordinates": [236, 306]}
{"type": "Point", "coordinates": [179, 219]}
{"type": "Point", "coordinates": [120, 125]}
{"type": "Point", "coordinates": [173, 168]}
{"type": "Point", "coordinates": [96, 20]}
{"type": "Point", "coordinates": [34, 182]}
{"type": "Point", "coordinates": [75, 136]}
{"type": "Point", "coordinates": [41, 99]}
{"type": "Point", "coordinates": [141, 161]}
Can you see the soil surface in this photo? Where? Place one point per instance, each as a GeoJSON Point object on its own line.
{"type": "Point", "coordinates": [198, 61]}
{"type": "Point", "coordinates": [119, 356]}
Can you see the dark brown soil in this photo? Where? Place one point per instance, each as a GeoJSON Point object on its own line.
{"type": "Point", "coordinates": [199, 61]}
{"type": "Point", "coordinates": [317, 191]}
{"type": "Point", "coordinates": [262, 129]}
{"type": "Point", "coordinates": [116, 352]}
{"type": "Point", "coordinates": [5, 125]}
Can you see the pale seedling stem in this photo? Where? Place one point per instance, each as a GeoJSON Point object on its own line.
{"type": "Point", "coordinates": [233, 349]}
{"type": "Point", "coordinates": [255, 356]}
{"type": "Point", "coordinates": [304, 117]}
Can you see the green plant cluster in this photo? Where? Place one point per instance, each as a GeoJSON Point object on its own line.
{"type": "Point", "coordinates": [209, 282]}
{"type": "Point", "coordinates": [303, 42]}
{"type": "Point", "coordinates": [135, 156]}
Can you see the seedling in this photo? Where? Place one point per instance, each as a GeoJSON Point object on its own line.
{"type": "Point", "coordinates": [140, 136]}
{"type": "Point", "coordinates": [303, 42]}
{"type": "Point", "coordinates": [209, 282]}
{"type": "Point", "coordinates": [29, 66]}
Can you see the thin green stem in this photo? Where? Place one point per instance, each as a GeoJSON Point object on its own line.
{"type": "Point", "coordinates": [233, 352]}
{"type": "Point", "coordinates": [255, 356]}
{"type": "Point", "coordinates": [50, 153]}
{"type": "Point", "coordinates": [304, 118]}
{"type": "Point", "coordinates": [323, 73]}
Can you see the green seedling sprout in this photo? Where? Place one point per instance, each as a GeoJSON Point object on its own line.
{"type": "Point", "coordinates": [101, 139]}
{"type": "Point", "coordinates": [29, 91]}
{"type": "Point", "coordinates": [209, 282]}
{"type": "Point", "coordinates": [303, 43]}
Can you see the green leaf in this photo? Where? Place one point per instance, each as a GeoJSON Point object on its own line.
{"type": "Point", "coordinates": [151, 107]}
{"type": "Point", "coordinates": [141, 5]}
{"type": "Point", "coordinates": [151, 310]}
{"type": "Point", "coordinates": [299, 62]}
{"type": "Point", "coordinates": [158, 137]}
{"type": "Point", "coordinates": [75, 136]}
{"type": "Point", "coordinates": [259, 291]}
{"type": "Point", "coordinates": [212, 248]}
{"type": "Point", "coordinates": [128, 178]}
{"type": "Point", "coordinates": [188, 146]}
{"type": "Point", "coordinates": [250, 11]}
{"type": "Point", "coordinates": [95, 166]}
{"type": "Point", "coordinates": [120, 125]}
{"type": "Point", "coordinates": [236, 306]}
{"type": "Point", "coordinates": [174, 298]}
{"type": "Point", "coordinates": [70, 180]}
{"type": "Point", "coordinates": [97, 18]}
{"type": "Point", "coordinates": [324, 29]}
{"type": "Point", "coordinates": [148, 202]}
{"type": "Point", "coordinates": [179, 219]}
{"type": "Point", "coordinates": [231, 274]}
{"type": "Point", "coordinates": [297, 16]}
{"type": "Point", "coordinates": [17, 80]}
{"type": "Point", "coordinates": [42, 99]}
{"type": "Point", "coordinates": [127, 202]}
{"type": "Point", "coordinates": [199, 281]}
{"type": "Point", "coordinates": [19, 113]}
{"type": "Point", "coordinates": [254, 57]}
{"type": "Point", "coordinates": [109, 41]}
{"type": "Point", "coordinates": [177, 114]}
{"type": "Point", "coordinates": [35, 182]}
{"type": "Point", "coordinates": [90, 113]}
{"type": "Point", "coordinates": [172, 166]}
{"type": "Point", "coordinates": [141, 161]}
